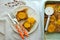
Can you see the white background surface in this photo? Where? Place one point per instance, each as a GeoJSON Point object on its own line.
{"type": "Point", "coordinates": [11, 35]}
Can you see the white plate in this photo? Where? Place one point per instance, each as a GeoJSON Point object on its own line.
{"type": "Point", "coordinates": [31, 13]}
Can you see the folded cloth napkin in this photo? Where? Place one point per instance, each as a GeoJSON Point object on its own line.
{"type": "Point", "coordinates": [2, 25]}
{"type": "Point", "coordinates": [2, 28]}
{"type": "Point", "coordinates": [5, 1]}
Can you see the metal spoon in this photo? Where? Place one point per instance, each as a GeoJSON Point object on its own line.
{"type": "Point", "coordinates": [48, 11]}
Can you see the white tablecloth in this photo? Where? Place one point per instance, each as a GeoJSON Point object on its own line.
{"type": "Point", "coordinates": [11, 35]}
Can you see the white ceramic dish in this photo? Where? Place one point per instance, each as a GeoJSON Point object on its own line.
{"type": "Point", "coordinates": [52, 36]}
{"type": "Point", "coordinates": [31, 13]}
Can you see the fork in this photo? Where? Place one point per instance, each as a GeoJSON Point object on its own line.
{"type": "Point", "coordinates": [17, 28]}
